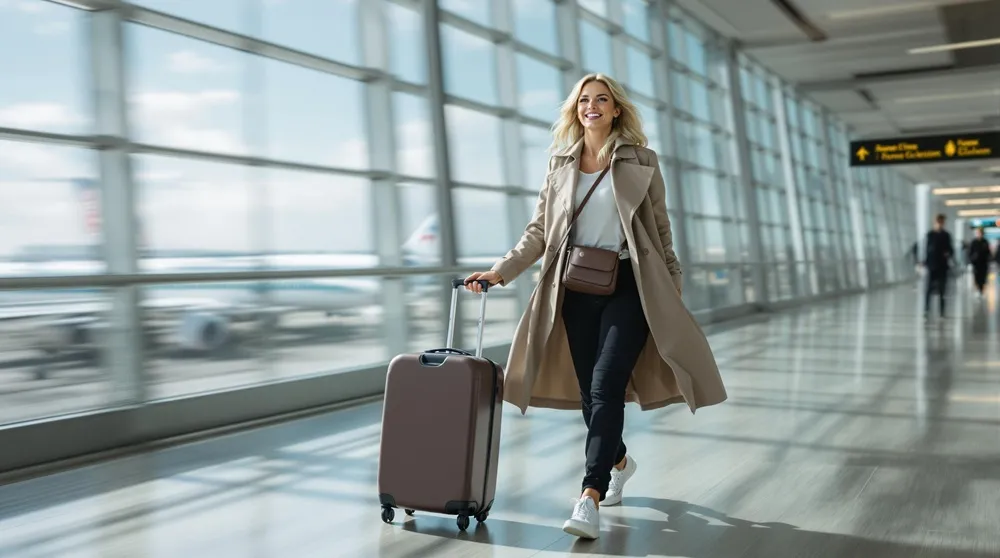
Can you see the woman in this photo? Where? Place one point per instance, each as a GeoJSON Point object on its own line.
{"type": "Point", "coordinates": [595, 352]}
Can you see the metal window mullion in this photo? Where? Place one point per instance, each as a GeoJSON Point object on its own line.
{"type": "Point", "coordinates": [663, 82]}
{"type": "Point", "coordinates": [386, 219]}
{"type": "Point", "coordinates": [619, 50]}
{"type": "Point", "coordinates": [442, 169]}
{"type": "Point", "coordinates": [791, 186]}
{"type": "Point", "coordinates": [568, 31]}
{"type": "Point", "coordinates": [510, 131]}
{"type": "Point", "coordinates": [124, 339]}
{"type": "Point", "coordinates": [829, 154]}
{"type": "Point", "coordinates": [745, 169]}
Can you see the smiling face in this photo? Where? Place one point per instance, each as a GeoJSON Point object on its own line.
{"type": "Point", "coordinates": [596, 107]}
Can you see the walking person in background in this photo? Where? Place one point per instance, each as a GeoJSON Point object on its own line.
{"type": "Point", "coordinates": [606, 323]}
{"type": "Point", "coordinates": [938, 254]}
{"type": "Point", "coordinates": [979, 257]}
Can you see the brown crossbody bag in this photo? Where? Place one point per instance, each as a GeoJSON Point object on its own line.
{"type": "Point", "coordinates": [590, 270]}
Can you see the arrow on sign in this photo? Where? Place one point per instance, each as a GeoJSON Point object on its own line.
{"type": "Point", "coordinates": [862, 153]}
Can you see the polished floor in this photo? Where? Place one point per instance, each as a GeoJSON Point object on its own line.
{"type": "Point", "coordinates": [853, 429]}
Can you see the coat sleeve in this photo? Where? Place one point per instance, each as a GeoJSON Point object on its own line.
{"type": "Point", "coordinates": [530, 247]}
{"type": "Point", "coordinates": [658, 196]}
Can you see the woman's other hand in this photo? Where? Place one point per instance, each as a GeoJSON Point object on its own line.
{"type": "Point", "coordinates": [472, 281]}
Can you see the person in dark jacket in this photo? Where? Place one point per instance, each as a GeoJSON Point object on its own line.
{"type": "Point", "coordinates": [979, 257]}
{"type": "Point", "coordinates": [938, 253]}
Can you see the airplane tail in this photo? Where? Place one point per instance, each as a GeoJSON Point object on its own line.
{"type": "Point", "coordinates": [423, 247]}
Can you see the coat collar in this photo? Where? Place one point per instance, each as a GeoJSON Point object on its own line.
{"type": "Point", "coordinates": [622, 150]}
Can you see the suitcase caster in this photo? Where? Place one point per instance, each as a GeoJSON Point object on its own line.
{"type": "Point", "coordinates": [481, 516]}
{"type": "Point", "coordinates": [463, 522]}
{"type": "Point", "coordinates": [388, 514]}
{"type": "Point", "coordinates": [409, 512]}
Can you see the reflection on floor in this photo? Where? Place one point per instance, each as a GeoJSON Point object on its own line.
{"type": "Point", "coordinates": [853, 429]}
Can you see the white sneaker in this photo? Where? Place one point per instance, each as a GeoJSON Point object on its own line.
{"type": "Point", "coordinates": [613, 496]}
{"type": "Point", "coordinates": [585, 521]}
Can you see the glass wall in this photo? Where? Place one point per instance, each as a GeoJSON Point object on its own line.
{"type": "Point", "coordinates": [275, 196]}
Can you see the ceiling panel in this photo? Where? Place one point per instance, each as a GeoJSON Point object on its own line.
{"type": "Point", "coordinates": [749, 20]}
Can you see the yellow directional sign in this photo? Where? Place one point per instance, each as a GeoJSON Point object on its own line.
{"type": "Point", "coordinates": [930, 149]}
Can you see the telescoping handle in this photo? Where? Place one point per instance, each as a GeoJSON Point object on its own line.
{"type": "Point", "coordinates": [456, 284]}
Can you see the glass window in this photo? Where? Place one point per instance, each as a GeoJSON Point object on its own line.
{"type": "Point", "coordinates": [185, 93]}
{"type": "Point", "coordinates": [539, 88]}
{"type": "Point", "coordinates": [328, 29]}
{"type": "Point", "coordinates": [469, 65]}
{"type": "Point", "coordinates": [47, 90]}
{"type": "Point", "coordinates": [51, 361]}
{"type": "Point", "coordinates": [327, 217]}
{"type": "Point", "coordinates": [407, 58]}
{"type": "Point", "coordinates": [651, 126]}
{"type": "Point", "coordinates": [636, 19]}
{"type": "Point", "coordinates": [227, 14]}
{"type": "Point", "coordinates": [475, 10]}
{"type": "Point", "coordinates": [252, 332]}
{"type": "Point", "coordinates": [195, 207]}
{"type": "Point", "coordinates": [414, 139]}
{"type": "Point", "coordinates": [475, 209]}
{"type": "Point", "coordinates": [314, 117]}
{"type": "Point", "coordinates": [640, 72]}
{"type": "Point", "coordinates": [535, 143]}
{"type": "Point", "coordinates": [475, 146]}
{"type": "Point", "coordinates": [421, 227]}
{"type": "Point", "coordinates": [599, 7]}
{"type": "Point", "coordinates": [535, 24]}
{"type": "Point", "coordinates": [596, 45]}
{"type": "Point", "coordinates": [699, 100]}
{"type": "Point", "coordinates": [50, 210]}
{"type": "Point", "coordinates": [695, 54]}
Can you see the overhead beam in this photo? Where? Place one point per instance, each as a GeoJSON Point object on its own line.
{"type": "Point", "coordinates": [868, 81]}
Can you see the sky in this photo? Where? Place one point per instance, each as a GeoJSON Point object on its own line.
{"type": "Point", "coordinates": [190, 94]}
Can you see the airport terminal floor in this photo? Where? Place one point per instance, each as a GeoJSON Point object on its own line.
{"type": "Point", "coordinates": [854, 429]}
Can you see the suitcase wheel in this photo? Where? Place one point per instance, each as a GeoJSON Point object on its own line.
{"type": "Point", "coordinates": [388, 514]}
{"type": "Point", "coordinates": [481, 516]}
{"type": "Point", "coordinates": [409, 512]}
{"type": "Point", "coordinates": [463, 522]}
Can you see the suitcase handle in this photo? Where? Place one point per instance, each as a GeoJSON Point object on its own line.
{"type": "Point", "coordinates": [455, 284]}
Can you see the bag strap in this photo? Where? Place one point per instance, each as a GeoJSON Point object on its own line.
{"type": "Point", "coordinates": [589, 193]}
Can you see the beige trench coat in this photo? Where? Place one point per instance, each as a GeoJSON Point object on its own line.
{"type": "Point", "coordinates": [676, 365]}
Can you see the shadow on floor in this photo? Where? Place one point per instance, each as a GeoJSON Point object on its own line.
{"type": "Point", "coordinates": [688, 531]}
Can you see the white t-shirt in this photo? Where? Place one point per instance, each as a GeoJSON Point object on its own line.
{"type": "Point", "coordinates": [598, 225]}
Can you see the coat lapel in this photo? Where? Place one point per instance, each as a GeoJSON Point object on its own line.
{"type": "Point", "coordinates": [566, 178]}
{"type": "Point", "coordinates": [630, 180]}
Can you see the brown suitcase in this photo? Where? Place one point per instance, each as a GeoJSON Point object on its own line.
{"type": "Point", "coordinates": [441, 429]}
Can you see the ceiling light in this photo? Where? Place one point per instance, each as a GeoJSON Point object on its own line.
{"type": "Point", "coordinates": [881, 11]}
{"type": "Point", "coordinates": [992, 169]}
{"type": "Point", "coordinates": [966, 190]}
{"type": "Point", "coordinates": [947, 97]}
{"type": "Point", "coordinates": [973, 201]}
{"type": "Point", "coordinates": [956, 46]}
{"type": "Point", "coordinates": [979, 212]}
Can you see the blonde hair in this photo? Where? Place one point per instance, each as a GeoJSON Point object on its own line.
{"type": "Point", "coordinates": [628, 125]}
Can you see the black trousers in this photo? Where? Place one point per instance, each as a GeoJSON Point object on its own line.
{"type": "Point", "coordinates": [980, 272]}
{"type": "Point", "coordinates": [937, 282]}
{"type": "Point", "coordinates": [606, 335]}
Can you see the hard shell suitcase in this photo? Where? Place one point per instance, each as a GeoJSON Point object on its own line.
{"type": "Point", "coordinates": [441, 429]}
